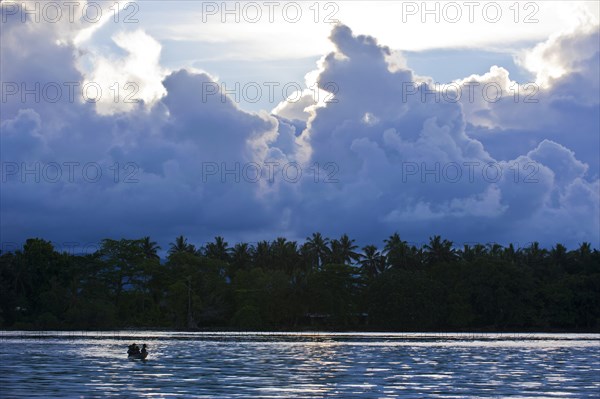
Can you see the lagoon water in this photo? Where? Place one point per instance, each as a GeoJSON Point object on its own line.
{"type": "Point", "coordinates": [299, 365]}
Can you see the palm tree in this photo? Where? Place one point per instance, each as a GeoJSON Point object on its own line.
{"type": "Point", "coordinates": [397, 251]}
{"type": "Point", "coordinates": [535, 255]}
{"type": "Point", "coordinates": [343, 250]}
{"type": "Point", "coordinates": [262, 255]}
{"type": "Point", "coordinates": [585, 258]}
{"type": "Point", "coordinates": [241, 256]}
{"type": "Point", "coordinates": [467, 253]}
{"type": "Point", "coordinates": [480, 250]}
{"type": "Point", "coordinates": [558, 253]}
{"type": "Point", "coordinates": [439, 250]}
{"type": "Point", "coordinates": [218, 249]}
{"type": "Point", "coordinates": [415, 256]}
{"type": "Point", "coordinates": [285, 254]}
{"type": "Point", "coordinates": [494, 250]}
{"type": "Point", "coordinates": [317, 249]}
{"type": "Point", "coordinates": [372, 262]}
{"type": "Point", "coordinates": [150, 248]}
{"type": "Point", "coordinates": [575, 261]}
{"type": "Point", "coordinates": [181, 246]}
{"type": "Point", "coordinates": [585, 251]}
{"type": "Point", "coordinates": [511, 254]}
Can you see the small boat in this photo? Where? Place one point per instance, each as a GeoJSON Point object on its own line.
{"type": "Point", "coordinates": [133, 352]}
{"type": "Point", "coordinates": [140, 356]}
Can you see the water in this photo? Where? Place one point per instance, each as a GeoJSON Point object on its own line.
{"type": "Point", "coordinates": [306, 365]}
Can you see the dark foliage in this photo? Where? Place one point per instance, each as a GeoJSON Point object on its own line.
{"type": "Point", "coordinates": [321, 284]}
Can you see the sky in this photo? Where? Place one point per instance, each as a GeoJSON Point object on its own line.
{"type": "Point", "coordinates": [476, 121]}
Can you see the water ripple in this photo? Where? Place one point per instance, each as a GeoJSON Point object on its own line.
{"type": "Point", "coordinates": [274, 365]}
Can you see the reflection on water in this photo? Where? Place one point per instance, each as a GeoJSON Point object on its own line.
{"type": "Point", "coordinates": [306, 365]}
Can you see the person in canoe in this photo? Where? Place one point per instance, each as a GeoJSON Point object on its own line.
{"type": "Point", "coordinates": [133, 350]}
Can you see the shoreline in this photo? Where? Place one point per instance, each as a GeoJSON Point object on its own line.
{"type": "Point", "coordinates": [299, 332]}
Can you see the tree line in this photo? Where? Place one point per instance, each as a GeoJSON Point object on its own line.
{"type": "Point", "coordinates": [322, 283]}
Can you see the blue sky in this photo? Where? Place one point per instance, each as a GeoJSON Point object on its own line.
{"type": "Point", "coordinates": [345, 121]}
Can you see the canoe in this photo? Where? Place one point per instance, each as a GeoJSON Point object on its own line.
{"type": "Point", "coordinates": [140, 356]}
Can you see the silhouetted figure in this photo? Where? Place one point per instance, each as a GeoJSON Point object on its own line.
{"type": "Point", "coordinates": [144, 351]}
{"type": "Point", "coordinates": [133, 349]}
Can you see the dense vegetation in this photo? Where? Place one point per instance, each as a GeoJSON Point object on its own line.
{"type": "Point", "coordinates": [321, 284]}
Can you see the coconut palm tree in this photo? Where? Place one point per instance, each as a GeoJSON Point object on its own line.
{"type": "Point", "coordinates": [241, 256]}
{"type": "Point", "coordinates": [495, 250]}
{"type": "Point", "coordinates": [285, 254]}
{"type": "Point", "coordinates": [535, 254]}
{"type": "Point", "coordinates": [439, 250]}
{"type": "Point", "coordinates": [511, 254]}
{"type": "Point", "coordinates": [262, 255]}
{"type": "Point", "coordinates": [397, 251]}
{"type": "Point", "coordinates": [343, 250]}
{"type": "Point", "coordinates": [150, 248]}
{"type": "Point", "coordinates": [317, 249]}
{"type": "Point", "coordinates": [218, 249]}
{"type": "Point", "coordinates": [558, 254]}
{"type": "Point", "coordinates": [181, 246]}
{"type": "Point", "coordinates": [372, 262]}
{"type": "Point", "coordinates": [584, 251]}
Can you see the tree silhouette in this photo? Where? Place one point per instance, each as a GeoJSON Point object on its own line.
{"type": "Point", "coordinates": [219, 249]}
{"type": "Point", "coordinates": [262, 255]}
{"type": "Point", "coordinates": [320, 284]}
{"type": "Point", "coordinates": [397, 252]}
{"type": "Point", "coordinates": [241, 256]}
{"type": "Point", "coordinates": [343, 251]}
{"type": "Point", "coordinates": [284, 255]}
{"type": "Point", "coordinates": [439, 250]}
{"type": "Point", "coordinates": [372, 262]}
{"type": "Point", "coordinates": [317, 249]}
{"type": "Point", "coordinates": [181, 246]}
{"type": "Point", "coordinates": [150, 248]}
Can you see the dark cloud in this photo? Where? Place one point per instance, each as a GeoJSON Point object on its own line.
{"type": "Point", "coordinates": [386, 162]}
